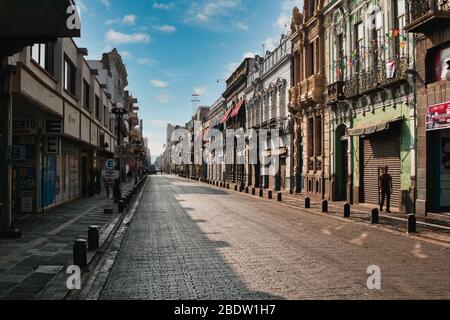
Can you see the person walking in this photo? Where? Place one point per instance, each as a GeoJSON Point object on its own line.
{"type": "Point", "coordinates": [386, 190]}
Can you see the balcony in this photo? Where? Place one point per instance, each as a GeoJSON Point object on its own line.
{"type": "Point", "coordinates": [425, 16]}
{"type": "Point", "coordinates": [336, 92]}
{"type": "Point", "coordinates": [385, 74]}
{"type": "Point", "coordinates": [306, 93]}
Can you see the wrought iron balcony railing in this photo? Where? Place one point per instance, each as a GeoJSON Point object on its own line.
{"type": "Point", "coordinates": [424, 16]}
{"type": "Point", "coordinates": [385, 74]}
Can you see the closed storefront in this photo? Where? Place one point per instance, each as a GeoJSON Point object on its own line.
{"type": "Point", "coordinates": [380, 150]}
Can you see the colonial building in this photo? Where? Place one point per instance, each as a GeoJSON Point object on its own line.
{"type": "Point", "coordinates": [371, 100]}
{"type": "Point", "coordinates": [267, 96]}
{"type": "Point", "coordinates": [306, 101]}
{"type": "Point", "coordinates": [234, 119]}
{"type": "Point", "coordinates": [429, 22]}
{"type": "Point", "coordinates": [216, 157]}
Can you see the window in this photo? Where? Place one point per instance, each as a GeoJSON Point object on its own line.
{"type": "Point", "coordinates": [42, 54]}
{"type": "Point", "coordinates": [341, 59]}
{"type": "Point", "coordinates": [97, 107]}
{"type": "Point", "coordinates": [86, 95]}
{"type": "Point", "coordinates": [105, 116]}
{"type": "Point", "coordinates": [359, 45]}
{"type": "Point", "coordinates": [400, 20]}
{"type": "Point", "coordinates": [310, 60]}
{"type": "Point", "coordinates": [69, 76]}
{"type": "Point", "coordinates": [318, 136]}
{"type": "Point", "coordinates": [310, 137]}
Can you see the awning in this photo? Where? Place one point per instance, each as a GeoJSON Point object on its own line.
{"type": "Point", "coordinates": [373, 127]}
{"type": "Point", "coordinates": [226, 116]}
{"type": "Point", "coordinates": [237, 108]}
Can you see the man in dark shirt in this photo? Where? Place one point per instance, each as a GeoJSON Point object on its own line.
{"type": "Point", "coordinates": [386, 189]}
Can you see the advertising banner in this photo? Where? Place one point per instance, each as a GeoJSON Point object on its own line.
{"type": "Point", "coordinates": [438, 116]}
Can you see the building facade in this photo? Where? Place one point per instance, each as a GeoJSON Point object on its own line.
{"type": "Point", "coordinates": [234, 120]}
{"type": "Point", "coordinates": [216, 157]}
{"type": "Point", "coordinates": [428, 21]}
{"type": "Point", "coordinates": [61, 119]}
{"type": "Point", "coordinates": [371, 101]}
{"type": "Point", "coordinates": [306, 101]}
{"type": "Point", "coordinates": [267, 96]}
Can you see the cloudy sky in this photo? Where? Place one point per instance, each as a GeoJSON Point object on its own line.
{"type": "Point", "coordinates": [174, 48]}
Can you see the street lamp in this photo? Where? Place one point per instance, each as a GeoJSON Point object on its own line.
{"type": "Point", "coordinates": [119, 111]}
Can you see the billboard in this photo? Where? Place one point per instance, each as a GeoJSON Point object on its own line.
{"type": "Point", "coordinates": [438, 116]}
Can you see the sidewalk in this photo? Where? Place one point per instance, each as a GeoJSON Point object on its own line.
{"type": "Point", "coordinates": [28, 264]}
{"type": "Point", "coordinates": [435, 227]}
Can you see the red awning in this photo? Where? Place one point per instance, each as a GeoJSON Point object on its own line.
{"type": "Point", "coordinates": [237, 108]}
{"type": "Point", "coordinates": [226, 116]}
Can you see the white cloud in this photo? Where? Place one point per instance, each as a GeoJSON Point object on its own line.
{"type": "Point", "coordinates": [163, 6]}
{"type": "Point", "coordinates": [242, 26]}
{"type": "Point", "coordinates": [123, 38]}
{"type": "Point", "coordinates": [249, 55]}
{"type": "Point", "coordinates": [201, 90]}
{"type": "Point", "coordinates": [106, 3]}
{"type": "Point", "coordinates": [215, 14]}
{"type": "Point", "coordinates": [166, 28]}
{"type": "Point", "coordinates": [270, 43]}
{"type": "Point", "coordinates": [146, 61]}
{"type": "Point", "coordinates": [129, 19]}
{"type": "Point", "coordinates": [158, 83]}
{"type": "Point", "coordinates": [80, 4]}
{"type": "Point", "coordinates": [284, 19]}
{"type": "Point", "coordinates": [230, 68]}
{"type": "Point", "coordinates": [126, 54]}
{"type": "Point", "coordinates": [164, 98]}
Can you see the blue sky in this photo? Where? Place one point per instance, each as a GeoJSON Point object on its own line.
{"type": "Point", "coordinates": [174, 48]}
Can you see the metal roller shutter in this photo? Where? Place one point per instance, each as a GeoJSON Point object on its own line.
{"type": "Point", "coordinates": [380, 150]}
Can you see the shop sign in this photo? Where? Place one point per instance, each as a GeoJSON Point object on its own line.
{"type": "Point", "coordinates": [53, 127]}
{"type": "Point", "coordinates": [25, 126]}
{"type": "Point", "coordinates": [52, 145]}
{"type": "Point", "coordinates": [15, 154]}
{"type": "Point", "coordinates": [438, 117]}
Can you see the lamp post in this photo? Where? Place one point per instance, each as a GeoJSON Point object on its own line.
{"type": "Point", "coordinates": [119, 111]}
{"type": "Point", "coordinates": [136, 147]}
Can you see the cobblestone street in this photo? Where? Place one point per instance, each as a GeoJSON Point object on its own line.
{"type": "Point", "coordinates": [188, 240]}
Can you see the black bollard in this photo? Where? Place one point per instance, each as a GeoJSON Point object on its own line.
{"type": "Point", "coordinates": [324, 206]}
{"type": "Point", "coordinates": [93, 238]}
{"type": "Point", "coordinates": [374, 216]}
{"type": "Point", "coordinates": [253, 191]}
{"type": "Point", "coordinates": [246, 190]}
{"type": "Point", "coordinates": [347, 210]}
{"type": "Point", "coordinates": [80, 253]}
{"type": "Point", "coordinates": [307, 203]}
{"type": "Point", "coordinates": [279, 197]}
{"type": "Point", "coordinates": [241, 189]}
{"type": "Point", "coordinates": [261, 193]}
{"type": "Point", "coordinates": [269, 194]}
{"type": "Point", "coordinates": [412, 223]}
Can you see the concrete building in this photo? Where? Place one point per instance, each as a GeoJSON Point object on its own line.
{"type": "Point", "coordinates": [429, 22]}
{"type": "Point", "coordinates": [61, 118]}
{"type": "Point", "coordinates": [19, 29]}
